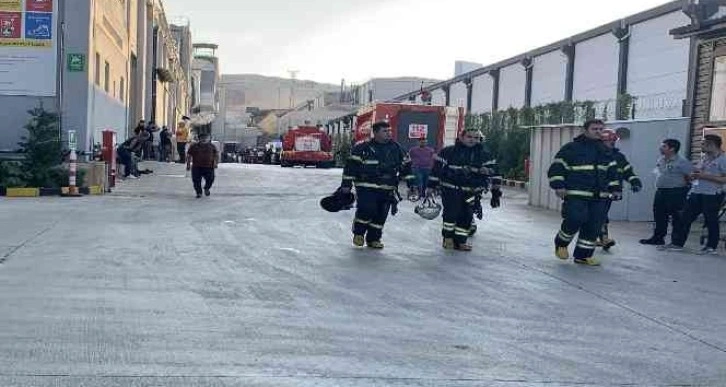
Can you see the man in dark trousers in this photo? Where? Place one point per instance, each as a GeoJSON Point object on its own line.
{"type": "Point", "coordinates": [672, 186]}
{"type": "Point", "coordinates": [462, 172]}
{"type": "Point", "coordinates": [375, 167]}
{"type": "Point", "coordinates": [422, 161]}
{"type": "Point", "coordinates": [705, 197]}
{"type": "Point", "coordinates": [627, 174]}
{"type": "Point", "coordinates": [585, 175]}
{"type": "Point", "coordinates": [203, 155]}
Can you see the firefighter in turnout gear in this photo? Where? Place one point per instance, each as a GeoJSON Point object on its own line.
{"type": "Point", "coordinates": [585, 175]}
{"type": "Point", "coordinates": [626, 173]}
{"type": "Point", "coordinates": [375, 167]}
{"type": "Point", "coordinates": [462, 173]}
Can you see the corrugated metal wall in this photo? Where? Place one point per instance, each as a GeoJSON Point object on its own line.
{"type": "Point", "coordinates": [512, 82]}
{"type": "Point", "coordinates": [482, 93]}
{"type": "Point", "coordinates": [641, 148]}
{"type": "Point", "coordinates": [658, 67]}
{"type": "Point", "coordinates": [704, 86]}
{"type": "Point", "coordinates": [438, 97]}
{"type": "Point", "coordinates": [549, 75]}
{"type": "Point", "coordinates": [596, 69]}
{"type": "Point", "coordinates": [458, 95]}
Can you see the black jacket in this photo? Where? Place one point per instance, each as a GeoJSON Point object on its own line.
{"type": "Point", "coordinates": [377, 166]}
{"type": "Point", "coordinates": [586, 169]}
{"type": "Point", "coordinates": [470, 169]}
{"type": "Point", "coordinates": [625, 170]}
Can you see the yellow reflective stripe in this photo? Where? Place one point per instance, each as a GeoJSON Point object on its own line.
{"type": "Point", "coordinates": [371, 162]}
{"type": "Point", "coordinates": [490, 163]}
{"type": "Point", "coordinates": [346, 177]}
{"type": "Point", "coordinates": [603, 167]}
{"type": "Point", "coordinates": [433, 178]}
{"type": "Point", "coordinates": [356, 158]}
{"type": "Point", "coordinates": [557, 178]}
{"type": "Point", "coordinates": [409, 177]}
{"type": "Point", "coordinates": [376, 226]}
{"type": "Point", "coordinates": [356, 220]}
{"type": "Point", "coordinates": [627, 168]}
{"type": "Point", "coordinates": [455, 167]}
{"type": "Point", "coordinates": [583, 168]}
{"type": "Point", "coordinates": [614, 184]}
{"type": "Point", "coordinates": [633, 178]}
{"type": "Point", "coordinates": [580, 193]}
{"type": "Point", "coordinates": [613, 164]}
{"type": "Point", "coordinates": [377, 186]}
{"type": "Point", "coordinates": [560, 161]}
{"type": "Point", "coordinates": [564, 236]}
{"type": "Point", "coordinates": [465, 189]}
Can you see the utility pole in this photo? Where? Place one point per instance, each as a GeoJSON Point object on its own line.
{"type": "Point", "coordinates": [293, 75]}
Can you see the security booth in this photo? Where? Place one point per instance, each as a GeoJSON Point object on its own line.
{"type": "Point", "coordinates": [707, 78]}
{"type": "Point", "coordinates": [640, 141]}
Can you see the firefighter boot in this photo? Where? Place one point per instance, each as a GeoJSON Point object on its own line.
{"type": "Point", "coordinates": [358, 240]}
{"type": "Point", "coordinates": [605, 240]}
{"type": "Point", "coordinates": [562, 253]}
{"type": "Point", "coordinates": [448, 244]}
{"type": "Point", "coordinates": [591, 261]}
{"type": "Point", "coordinates": [464, 247]}
{"type": "Point", "coordinates": [378, 245]}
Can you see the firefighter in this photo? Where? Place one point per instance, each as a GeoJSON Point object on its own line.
{"type": "Point", "coordinates": [462, 173]}
{"type": "Point", "coordinates": [626, 173]}
{"type": "Point", "coordinates": [375, 167]}
{"type": "Point", "coordinates": [585, 175]}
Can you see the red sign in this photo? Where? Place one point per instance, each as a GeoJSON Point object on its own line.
{"type": "Point", "coordinates": [39, 5]}
{"type": "Point", "coordinates": [418, 131]}
{"type": "Point", "coordinates": [10, 26]}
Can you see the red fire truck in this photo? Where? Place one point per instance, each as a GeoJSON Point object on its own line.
{"type": "Point", "coordinates": [307, 145]}
{"type": "Point", "coordinates": [409, 123]}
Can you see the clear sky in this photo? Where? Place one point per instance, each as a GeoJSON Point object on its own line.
{"type": "Point", "coordinates": [326, 40]}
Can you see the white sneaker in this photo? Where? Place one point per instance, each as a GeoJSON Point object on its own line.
{"type": "Point", "coordinates": [708, 251]}
{"type": "Point", "coordinates": [670, 247]}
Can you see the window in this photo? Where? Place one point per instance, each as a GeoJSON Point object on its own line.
{"type": "Point", "coordinates": [122, 90]}
{"type": "Point", "coordinates": [107, 78]}
{"type": "Point", "coordinates": [97, 75]}
{"type": "Point", "coordinates": [718, 92]}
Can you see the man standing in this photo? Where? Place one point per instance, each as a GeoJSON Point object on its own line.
{"type": "Point", "coordinates": [672, 189]}
{"type": "Point", "coordinates": [704, 198]}
{"type": "Point", "coordinates": [585, 176]}
{"type": "Point", "coordinates": [203, 155]}
{"type": "Point", "coordinates": [462, 172]}
{"type": "Point", "coordinates": [625, 172]}
{"type": "Point", "coordinates": [182, 137]}
{"type": "Point", "coordinates": [375, 167]}
{"type": "Point", "coordinates": [422, 160]}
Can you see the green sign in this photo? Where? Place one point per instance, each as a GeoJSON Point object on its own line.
{"type": "Point", "coordinates": [76, 62]}
{"type": "Point", "coordinates": [72, 139]}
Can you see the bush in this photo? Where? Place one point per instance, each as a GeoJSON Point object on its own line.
{"type": "Point", "coordinates": [41, 147]}
{"type": "Point", "coordinates": [58, 177]}
{"type": "Point", "coordinates": [11, 174]}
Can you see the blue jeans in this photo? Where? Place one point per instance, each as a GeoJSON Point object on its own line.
{"type": "Point", "coordinates": [422, 178]}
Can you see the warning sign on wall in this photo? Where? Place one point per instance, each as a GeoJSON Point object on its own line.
{"type": "Point", "coordinates": [418, 130]}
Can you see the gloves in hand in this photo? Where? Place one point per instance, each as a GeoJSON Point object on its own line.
{"type": "Point", "coordinates": [637, 187]}
{"type": "Point", "coordinates": [496, 198]}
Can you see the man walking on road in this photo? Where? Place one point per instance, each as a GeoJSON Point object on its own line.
{"type": "Point", "coordinates": [585, 175]}
{"type": "Point", "coordinates": [375, 167]}
{"type": "Point", "coordinates": [704, 198]}
{"type": "Point", "coordinates": [462, 172]}
{"type": "Point", "coordinates": [422, 159]}
{"type": "Point", "coordinates": [672, 184]}
{"type": "Point", "coordinates": [626, 173]}
{"type": "Point", "coordinates": [203, 155]}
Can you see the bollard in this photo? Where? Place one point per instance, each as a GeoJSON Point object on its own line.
{"type": "Point", "coordinates": [72, 171]}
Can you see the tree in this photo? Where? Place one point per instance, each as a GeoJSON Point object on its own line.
{"type": "Point", "coordinates": [41, 147]}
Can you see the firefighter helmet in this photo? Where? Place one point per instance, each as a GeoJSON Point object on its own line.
{"type": "Point", "coordinates": [338, 201]}
{"type": "Point", "coordinates": [428, 209]}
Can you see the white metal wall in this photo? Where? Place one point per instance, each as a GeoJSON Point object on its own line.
{"type": "Point", "coordinates": [512, 82]}
{"type": "Point", "coordinates": [641, 148]}
{"type": "Point", "coordinates": [438, 97]}
{"type": "Point", "coordinates": [596, 69]}
{"type": "Point", "coordinates": [658, 67]}
{"type": "Point", "coordinates": [549, 75]}
{"type": "Point", "coordinates": [482, 93]}
{"type": "Point", "coordinates": [458, 95]}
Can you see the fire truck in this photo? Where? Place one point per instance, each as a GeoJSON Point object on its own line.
{"type": "Point", "coordinates": [306, 146]}
{"type": "Point", "coordinates": [409, 123]}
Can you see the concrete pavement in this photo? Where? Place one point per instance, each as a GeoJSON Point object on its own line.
{"type": "Point", "coordinates": [257, 286]}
